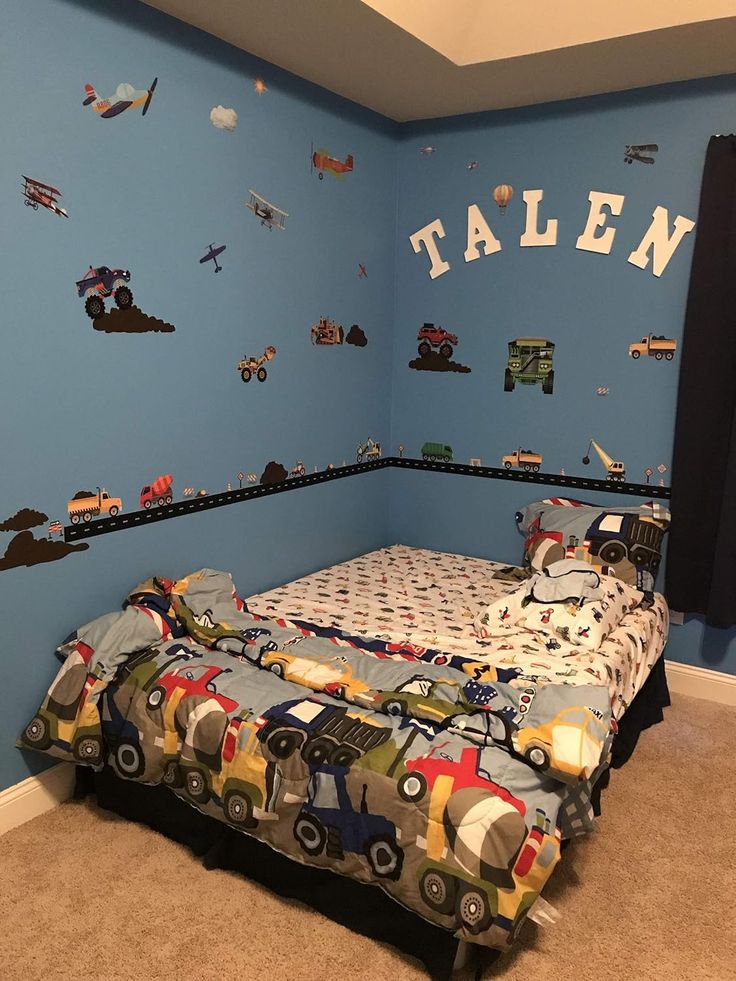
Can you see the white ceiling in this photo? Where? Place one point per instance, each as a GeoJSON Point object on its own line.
{"type": "Point", "coordinates": [415, 59]}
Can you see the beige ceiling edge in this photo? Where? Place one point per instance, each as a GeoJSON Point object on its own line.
{"type": "Point", "coordinates": [345, 46]}
{"type": "Point", "coordinates": [469, 32]}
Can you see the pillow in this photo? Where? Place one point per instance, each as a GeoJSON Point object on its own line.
{"type": "Point", "coordinates": [587, 625]}
{"type": "Point", "coordinates": [623, 542]}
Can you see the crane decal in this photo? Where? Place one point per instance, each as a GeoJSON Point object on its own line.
{"type": "Point", "coordinates": [615, 469]}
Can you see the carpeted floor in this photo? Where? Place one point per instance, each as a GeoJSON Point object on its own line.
{"type": "Point", "coordinates": [651, 896]}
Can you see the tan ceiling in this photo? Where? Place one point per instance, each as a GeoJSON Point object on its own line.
{"type": "Point", "coordinates": [416, 59]}
{"type": "Point", "coordinates": [469, 32]}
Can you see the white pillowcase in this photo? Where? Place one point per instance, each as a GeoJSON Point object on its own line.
{"type": "Point", "coordinates": [584, 626]}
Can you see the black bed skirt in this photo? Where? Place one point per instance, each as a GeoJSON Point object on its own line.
{"type": "Point", "coordinates": [368, 911]}
{"type": "Point", "coordinates": [647, 709]}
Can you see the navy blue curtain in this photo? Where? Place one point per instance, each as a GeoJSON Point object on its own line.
{"type": "Point", "coordinates": [701, 555]}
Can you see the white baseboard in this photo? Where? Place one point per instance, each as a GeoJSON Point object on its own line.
{"type": "Point", "coordinates": [35, 795]}
{"type": "Point", "coordinates": [715, 686]}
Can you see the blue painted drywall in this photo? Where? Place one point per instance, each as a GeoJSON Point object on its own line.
{"type": "Point", "coordinates": [82, 408]}
{"type": "Point", "coordinates": [592, 306]}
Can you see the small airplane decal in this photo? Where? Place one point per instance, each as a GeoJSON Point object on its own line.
{"type": "Point", "coordinates": [126, 97]}
{"type": "Point", "coordinates": [270, 215]}
{"type": "Point", "coordinates": [323, 163]}
{"type": "Point", "coordinates": [637, 151]}
{"type": "Point", "coordinates": [212, 254]}
{"type": "Point", "coordinates": [36, 193]}
{"type": "Point", "coordinates": [362, 271]}
{"type": "Point", "coordinates": [427, 150]}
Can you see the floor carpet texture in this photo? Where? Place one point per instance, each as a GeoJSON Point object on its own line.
{"type": "Point", "coordinates": [651, 896]}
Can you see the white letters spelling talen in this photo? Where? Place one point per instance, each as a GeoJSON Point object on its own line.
{"type": "Point", "coordinates": [532, 236]}
{"type": "Point", "coordinates": [657, 244]}
{"type": "Point", "coordinates": [425, 237]}
{"type": "Point", "coordinates": [479, 231]}
{"type": "Point", "coordinates": [657, 238]}
{"type": "Point", "coordinates": [591, 242]}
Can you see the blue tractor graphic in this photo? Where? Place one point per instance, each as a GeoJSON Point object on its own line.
{"type": "Point", "coordinates": [329, 823]}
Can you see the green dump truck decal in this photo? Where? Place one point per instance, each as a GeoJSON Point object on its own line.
{"type": "Point", "coordinates": [530, 363]}
{"type": "Point", "coordinates": [437, 451]}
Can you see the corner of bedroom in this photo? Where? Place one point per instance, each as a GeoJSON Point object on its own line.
{"type": "Point", "coordinates": [367, 505]}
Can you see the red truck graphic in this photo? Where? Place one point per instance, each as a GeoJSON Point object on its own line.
{"type": "Point", "coordinates": [466, 772]}
{"type": "Point", "coordinates": [158, 491]}
{"type": "Point", "coordinates": [193, 680]}
{"type": "Point", "coordinates": [430, 337]}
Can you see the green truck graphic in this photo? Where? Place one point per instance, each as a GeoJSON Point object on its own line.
{"type": "Point", "coordinates": [437, 451]}
{"type": "Point", "coordinates": [530, 362]}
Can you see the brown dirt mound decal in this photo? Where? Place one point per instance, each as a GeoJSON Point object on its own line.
{"type": "Point", "coordinates": [356, 336]}
{"type": "Point", "coordinates": [273, 473]}
{"type": "Point", "coordinates": [24, 549]}
{"type": "Point", "coordinates": [23, 519]}
{"type": "Point", "coordinates": [131, 321]}
{"type": "Point", "coordinates": [435, 362]}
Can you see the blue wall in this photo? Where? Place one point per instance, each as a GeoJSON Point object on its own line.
{"type": "Point", "coordinates": [592, 306]}
{"type": "Point", "coordinates": [82, 408]}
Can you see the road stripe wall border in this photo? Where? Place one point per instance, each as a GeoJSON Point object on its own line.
{"type": "Point", "coordinates": [135, 519]}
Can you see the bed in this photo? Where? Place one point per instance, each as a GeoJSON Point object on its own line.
{"type": "Point", "coordinates": [355, 723]}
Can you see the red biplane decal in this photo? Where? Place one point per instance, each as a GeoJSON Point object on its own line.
{"type": "Point", "coordinates": [323, 163]}
{"type": "Point", "coordinates": [36, 193]}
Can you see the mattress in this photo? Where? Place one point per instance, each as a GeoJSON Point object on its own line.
{"type": "Point", "coordinates": [415, 596]}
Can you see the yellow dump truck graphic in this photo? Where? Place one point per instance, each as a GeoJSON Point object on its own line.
{"type": "Point", "coordinates": [571, 743]}
{"type": "Point", "coordinates": [335, 676]}
{"type": "Point", "coordinates": [524, 460]}
{"type": "Point", "coordinates": [86, 505]}
{"type": "Point", "coordinates": [655, 346]}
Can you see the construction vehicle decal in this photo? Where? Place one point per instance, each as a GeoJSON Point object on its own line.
{"type": "Point", "coordinates": [86, 505]}
{"type": "Point", "coordinates": [530, 362]}
{"type": "Point", "coordinates": [524, 460]}
{"type": "Point", "coordinates": [370, 450]}
{"type": "Point", "coordinates": [249, 366]}
{"type": "Point", "coordinates": [159, 491]}
{"type": "Point", "coordinates": [326, 331]}
{"type": "Point", "coordinates": [615, 469]}
{"type": "Point", "coordinates": [655, 346]}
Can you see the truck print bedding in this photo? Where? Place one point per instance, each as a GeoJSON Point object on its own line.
{"type": "Point", "coordinates": [427, 602]}
{"type": "Point", "coordinates": [446, 786]}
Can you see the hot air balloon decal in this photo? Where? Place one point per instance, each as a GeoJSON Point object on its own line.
{"type": "Point", "coordinates": [502, 195]}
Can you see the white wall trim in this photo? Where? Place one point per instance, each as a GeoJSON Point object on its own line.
{"type": "Point", "coordinates": [715, 686]}
{"type": "Point", "coordinates": [35, 795]}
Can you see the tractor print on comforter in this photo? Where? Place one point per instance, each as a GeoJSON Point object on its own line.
{"type": "Point", "coordinates": [444, 790]}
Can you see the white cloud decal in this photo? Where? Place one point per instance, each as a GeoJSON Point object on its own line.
{"type": "Point", "coordinates": [223, 118]}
